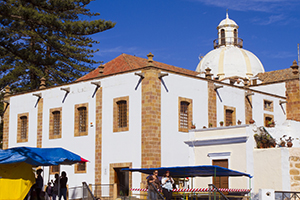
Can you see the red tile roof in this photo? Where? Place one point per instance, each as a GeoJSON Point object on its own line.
{"type": "Point", "coordinates": [277, 76]}
{"type": "Point", "coordinates": [126, 62]}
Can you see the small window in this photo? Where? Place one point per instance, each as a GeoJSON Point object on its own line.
{"type": "Point", "coordinates": [122, 113]}
{"type": "Point", "coordinates": [222, 37]}
{"type": "Point", "coordinates": [24, 127]}
{"type": "Point", "coordinates": [82, 119]}
{"type": "Point", "coordinates": [54, 169]}
{"type": "Point", "coordinates": [235, 36]}
{"type": "Point", "coordinates": [22, 131]}
{"type": "Point", "coordinates": [56, 122]}
{"type": "Point", "coordinates": [229, 117]}
{"type": "Point", "coordinates": [268, 105]}
{"type": "Point", "coordinates": [80, 168]}
{"type": "Point", "coordinates": [184, 115]}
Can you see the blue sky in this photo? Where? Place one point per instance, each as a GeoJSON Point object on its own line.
{"type": "Point", "coordinates": [177, 32]}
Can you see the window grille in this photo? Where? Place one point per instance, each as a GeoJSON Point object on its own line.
{"type": "Point", "coordinates": [23, 127]}
{"type": "Point", "coordinates": [184, 114]}
{"type": "Point", "coordinates": [82, 119]}
{"type": "Point", "coordinates": [229, 117]}
{"type": "Point", "coordinates": [81, 166]}
{"type": "Point", "coordinates": [55, 169]}
{"type": "Point", "coordinates": [222, 37]}
{"type": "Point", "coordinates": [56, 122]}
{"type": "Point", "coordinates": [122, 113]}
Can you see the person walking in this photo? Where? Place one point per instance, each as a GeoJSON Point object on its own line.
{"type": "Point", "coordinates": [55, 186]}
{"type": "Point", "coordinates": [39, 181]}
{"type": "Point", "coordinates": [167, 185]}
{"type": "Point", "coordinates": [63, 185]}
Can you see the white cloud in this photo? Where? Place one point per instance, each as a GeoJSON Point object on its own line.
{"type": "Point", "coordinates": [279, 19]}
{"type": "Point", "coordinates": [268, 6]}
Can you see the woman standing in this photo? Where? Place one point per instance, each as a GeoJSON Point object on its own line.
{"type": "Point", "coordinates": [63, 185]}
{"type": "Point", "coordinates": [167, 185]}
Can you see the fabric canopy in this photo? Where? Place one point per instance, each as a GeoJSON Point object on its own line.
{"type": "Point", "coordinates": [39, 156]}
{"type": "Point", "coordinates": [191, 171]}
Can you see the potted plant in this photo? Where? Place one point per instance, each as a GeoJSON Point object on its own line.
{"type": "Point", "coordinates": [251, 121]}
{"type": "Point", "coordinates": [264, 140]}
{"type": "Point", "coordinates": [271, 123]}
{"type": "Point", "coordinates": [210, 125]}
{"type": "Point", "coordinates": [221, 123]}
{"type": "Point", "coordinates": [289, 142]}
{"type": "Point", "coordinates": [193, 126]}
{"type": "Point", "coordinates": [239, 122]}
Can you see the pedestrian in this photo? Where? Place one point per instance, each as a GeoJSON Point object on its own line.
{"type": "Point", "coordinates": [55, 186]}
{"type": "Point", "coordinates": [153, 185]}
{"type": "Point", "coordinates": [63, 185]}
{"type": "Point", "coordinates": [39, 183]}
{"type": "Point", "coordinates": [49, 191]}
{"type": "Point", "coordinates": [167, 185]}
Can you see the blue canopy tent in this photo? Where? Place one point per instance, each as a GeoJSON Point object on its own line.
{"type": "Point", "coordinates": [39, 156]}
{"type": "Point", "coordinates": [191, 171]}
{"type": "Point", "coordinates": [16, 174]}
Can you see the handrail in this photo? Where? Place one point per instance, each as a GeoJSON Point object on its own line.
{"type": "Point", "coordinates": [84, 184]}
{"type": "Point", "coordinates": [295, 194]}
{"type": "Point", "coordinates": [228, 41]}
{"type": "Point", "coordinates": [217, 189]}
{"type": "Point", "coordinates": [159, 194]}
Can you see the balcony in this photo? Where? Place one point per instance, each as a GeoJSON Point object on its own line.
{"type": "Point", "coordinates": [228, 41]}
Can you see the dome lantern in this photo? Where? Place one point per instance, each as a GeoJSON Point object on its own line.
{"type": "Point", "coordinates": [229, 59]}
{"type": "Point", "coordinates": [228, 33]}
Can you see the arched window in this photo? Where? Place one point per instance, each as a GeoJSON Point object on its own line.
{"type": "Point", "coordinates": [122, 113]}
{"type": "Point", "coordinates": [82, 119]}
{"type": "Point", "coordinates": [56, 122]}
{"type": "Point", "coordinates": [222, 37]}
{"type": "Point", "coordinates": [23, 127]}
{"type": "Point", "coordinates": [184, 114]}
{"type": "Point", "coordinates": [235, 37]}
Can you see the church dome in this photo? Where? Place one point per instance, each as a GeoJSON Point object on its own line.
{"type": "Point", "coordinates": [228, 61]}
{"type": "Point", "coordinates": [228, 58]}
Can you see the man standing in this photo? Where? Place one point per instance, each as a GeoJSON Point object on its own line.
{"type": "Point", "coordinates": [39, 183]}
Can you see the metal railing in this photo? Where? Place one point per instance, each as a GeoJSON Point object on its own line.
{"type": "Point", "coordinates": [228, 41]}
{"type": "Point", "coordinates": [214, 190]}
{"type": "Point", "coordinates": [92, 192]}
{"type": "Point", "coordinates": [288, 195]}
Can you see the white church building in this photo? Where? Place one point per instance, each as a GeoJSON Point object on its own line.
{"type": "Point", "coordinates": [139, 113]}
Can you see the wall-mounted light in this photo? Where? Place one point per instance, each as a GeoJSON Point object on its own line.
{"type": "Point", "coordinates": [249, 94]}
{"type": "Point", "coordinates": [66, 89]}
{"type": "Point", "coordinates": [39, 95]}
{"type": "Point", "coordinates": [97, 83]}
{"type": "Point", "coordinates": [217, 87]}
{"type": "Point", "coordinates": [160, 75]}
{"type": "Point", "coordinates": [142, 75]}
{"type": "Point", "coordinates": [282, 102]}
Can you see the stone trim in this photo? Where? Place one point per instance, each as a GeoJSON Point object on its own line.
{"type": "Point", "coordinates": [76, 120]}
{"type": "Point", "coordinates": [52, 168]}
{"type": "Point", "coordinates": [19, 138]}
{"type": "Point", "coordinates": [248, 109]}
{"type": "Point", "coordinates": [212, 104]}
{"type": "Point", "coordinates": [268, 105]}
{"type": "Point", "coordinates": [293, 100]}
{"type": "Point", "coordinates": [112, 174]}
{"type": "Point", "coordinates": [116, 127]}
{"type": "Point", "coordinates": [40, 123]}
{"type": "Point", "coordinates": [219, 141]}
{"type": "Point", "coordinates": [6, 116]}
{"type": "Point", "coordinates": [190, 113]}
{"type": "Point", "coordinates": [267, 115]}
{"type": "Point", "coordinates": [233, 115]}
{"type": "Point", "coordinates": [151, 121]}
{"type": "Point", "coordinates": [78, 171]}
{"type": "Point", "coordinates": [51, 123]}
{"type": "Point", "coordinates": [98, 137]}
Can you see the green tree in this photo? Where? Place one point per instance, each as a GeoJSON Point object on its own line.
{"type": "Point", "coordinates": [46, 38]}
